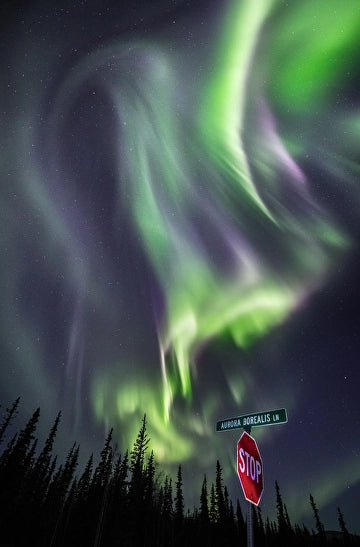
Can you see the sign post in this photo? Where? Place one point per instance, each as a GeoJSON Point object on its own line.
{"type": "Point", "coordinates": [250, 471]}
{"type": "Point", "coordinates": [250, 525]}
{"type": "Point", "coordinates": [249, 464]}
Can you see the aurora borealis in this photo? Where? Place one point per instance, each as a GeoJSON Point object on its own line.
{"type": "Point", "coordinates": [179, 210]}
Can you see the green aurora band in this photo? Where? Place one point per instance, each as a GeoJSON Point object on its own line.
{"type": "Point", "coordinates": [234, 148]}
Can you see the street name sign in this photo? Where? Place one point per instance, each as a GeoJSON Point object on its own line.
{"type": "Point", "coordinates": [249, 468]}
{"type": "Point", "coordinates": [270, 417]}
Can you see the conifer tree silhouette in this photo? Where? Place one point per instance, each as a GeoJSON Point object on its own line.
{"type": "Point", "coordinates": [344, 530]}
{"type": "Point", "coordinates": [219, 495]}
{"type": "Point", "coordinates": [42, 468]}
{"type": "Point", "coordinates": [14, 467]}
{"type": "Point", "coordinates": [137, 484]}
{"type": "Point", "coordinates": [10, 415]}
{"type": "Point", "coordinates": [125, 501]}
{"type": "Point", "coordinates": [179, 499]}
{"type": "Point", "coordinates": [319, 525]}
{"type": "Point", "coordinates": [212, 512]}
{"type": "Point", "coordinates": [179, 509]}
{"type": "Point", "coordinates": [204, 506]}
{"type": "Point", "coordinates": [137, 454]}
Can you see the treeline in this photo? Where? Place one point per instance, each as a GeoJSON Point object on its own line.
{"type": "Point", "coordinates": [124, 500]}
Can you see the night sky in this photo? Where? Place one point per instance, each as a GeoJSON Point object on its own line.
{"type": "Point", "coordinates": [179, 209]}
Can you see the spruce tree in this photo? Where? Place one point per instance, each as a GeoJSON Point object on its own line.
{"type": "Point", "coordinates": [149, 520]}
{"type": "Point", "coordinates": [138, 452]}
{"type": "Point", "coordinates": [44, 459]}
{"type": "Point", "coordinates": [136, 466]}
{"type": "Point", "coordinates": [103, 469]}
{"type": "Point", "coordinates": [149, 476]}
{"type": "Point", "coordinates": [116, 514]}
{"type": "Point", "coordinates": [23, 446]}
{"type": "Point", "coordinates": [212, 513]}
{"type": "Point", "coordinates": [15, 481]}
{"type": "Point", "coordinates": [4, 458]}
{"type": "Point", "coordinates": [202, 521]}
{"type": "Point", "coordinates": [70, 466]}
{"type": "Point", "coordinates": [136, 490]}
{"type": "Point", "coordinates": [62, 479]}
{"type": "Point", "coordinates": [30, 458]}
{"type": "Point", "coordinates": [166, 525]}
{"type": "Point", "coordinates": [100, 491]}
{"type": "Point", "coordinates": [15, 467]}
{"type": "Point", "coordinates": [167, 510]}
{"type": "Point", "coordinates": [319, 525]}
{"type": "Point", "coordinates": [344, 530]}
{"type": "Point", "coordinates": [226, 503]}
{"type": "Point", "coordinates": [83, 485]}
{"type": "Point", "coordinates": [281, 519]}
{"type": "Point", "coordinates": [121, 472]}
{"type": "Point", "coordinates": [204, 507]}
{"type": "Point", "coordinates": [219, 495]}
{"type": "Point", "coordinates": [121, 482]}
{"type": "Point", "coordinates": [42, 469]}
{"type": "Point", "coordinates": [179, 500]}
{"type": "Point", "coordinates": [10, 414]}
{"type": "Point", "coordinates": [287, 518]}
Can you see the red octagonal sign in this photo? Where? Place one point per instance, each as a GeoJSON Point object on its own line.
{"type": "Point", "coordinates": [250, 468]}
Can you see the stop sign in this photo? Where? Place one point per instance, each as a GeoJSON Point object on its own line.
{"type": "Point", "coordinates": [249, 468]}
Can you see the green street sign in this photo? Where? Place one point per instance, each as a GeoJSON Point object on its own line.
{"type": "Point", "coordinates": [270, 417]}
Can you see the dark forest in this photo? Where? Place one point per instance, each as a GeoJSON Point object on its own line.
{"type": "Point", "coordinates": [126, 500]}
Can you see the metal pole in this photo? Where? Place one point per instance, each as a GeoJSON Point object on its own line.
{"type": "Point", "coordinates": [250, 528]}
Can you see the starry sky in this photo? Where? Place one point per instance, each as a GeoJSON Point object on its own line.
{"type": "Point", "coordinates": [180, 233]}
